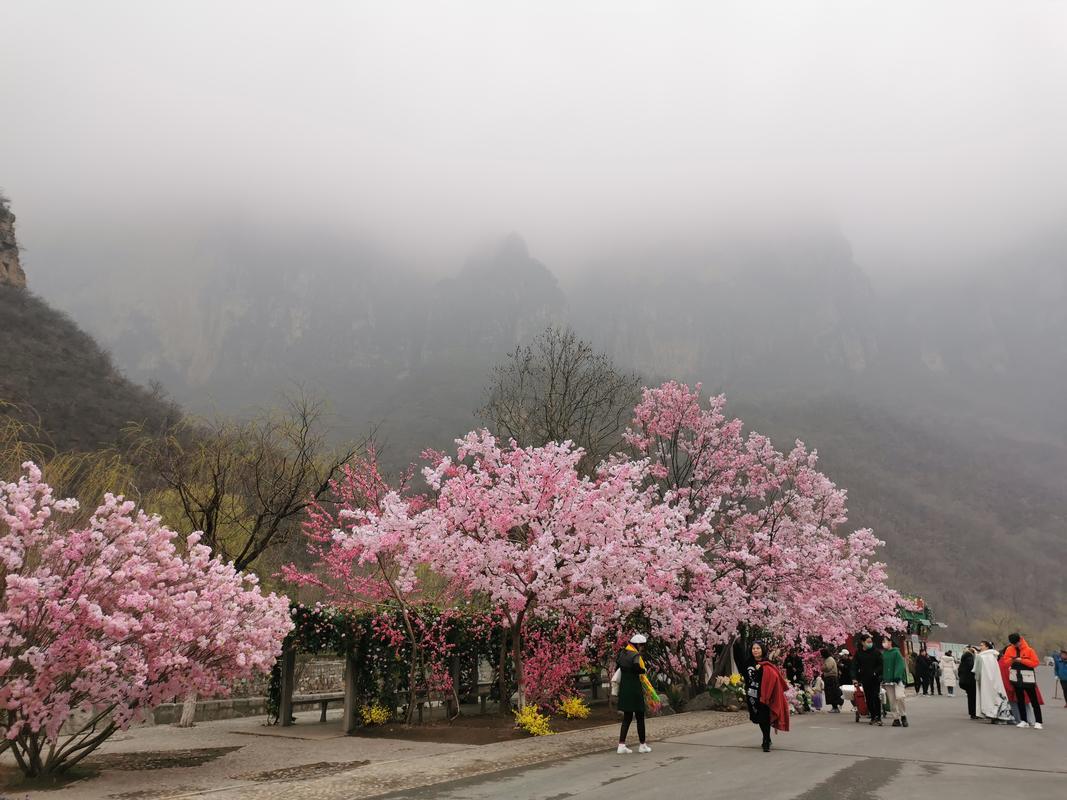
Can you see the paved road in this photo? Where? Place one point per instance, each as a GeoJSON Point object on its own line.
{"type": "Point", "coordinates": [943, 754]}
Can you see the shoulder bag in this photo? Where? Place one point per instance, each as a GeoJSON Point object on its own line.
{"type": "Point", "coordinates": [1022, 677]}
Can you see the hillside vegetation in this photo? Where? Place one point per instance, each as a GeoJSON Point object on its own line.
{"type": "Point", "coordinates": [51, 369]}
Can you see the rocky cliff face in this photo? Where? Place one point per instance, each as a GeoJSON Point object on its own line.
{"type": "Point", "coordinates": [790, 314]}
{"type": "Point", "coordinates": [11, 273]}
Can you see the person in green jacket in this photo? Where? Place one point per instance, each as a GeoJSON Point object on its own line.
{"type": "Point", "coordinates": [634, 686]}
{"type": "Point", "coordinates": [894, 676]}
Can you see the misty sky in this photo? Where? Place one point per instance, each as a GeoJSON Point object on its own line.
{"type": "Point", "coordinates": [926, 131]}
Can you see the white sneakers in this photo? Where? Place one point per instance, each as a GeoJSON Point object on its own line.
{"type": "Point", "coordinates": [1039, 726]}
{"type": "Point", "coordinates": [1023, 724]}
{"type": "Point", "coordinates": [642, 749]}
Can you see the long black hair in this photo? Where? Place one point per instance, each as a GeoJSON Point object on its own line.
{"type": "Point", "coordinates": [763, 649]}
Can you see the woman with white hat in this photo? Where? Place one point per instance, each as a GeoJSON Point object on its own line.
{"type": "Point", "coordinates": [632, 686]}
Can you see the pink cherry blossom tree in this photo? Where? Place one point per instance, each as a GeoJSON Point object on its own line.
{"type": "Point", "coordinates": [101, 623]}
{"type": "Point", "coordinates": [356, 572]}
{"type": "Point", "coordinates": [777, 559]}
{"type": "Point", "coordinates": [365, 543]}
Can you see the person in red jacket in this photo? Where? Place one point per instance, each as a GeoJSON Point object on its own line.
{"type": "Point", "coordinates": [1021, 662]}
{"type": "Point", "coordinates": [765, 693]}
{"type": "Point", "coordinates": [1013, 697]}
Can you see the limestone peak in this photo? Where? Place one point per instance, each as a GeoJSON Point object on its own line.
{"type": "Point", "coordinates": [11, 273]}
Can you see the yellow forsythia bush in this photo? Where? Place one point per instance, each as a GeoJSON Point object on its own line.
{"type": "Point", "coordinates": [533, 721]}
{"type": "Point", "coordinates": [376, 714]}
{"type": "Point", "coordinates": [574, 708]}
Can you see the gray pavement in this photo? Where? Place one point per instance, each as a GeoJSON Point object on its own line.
{"type": "Point", "coordinates": [702, 754]}
{"type": "Point", "coordinates": [243, 752]}
{"type": "Point", "coordinates": [942, 754]}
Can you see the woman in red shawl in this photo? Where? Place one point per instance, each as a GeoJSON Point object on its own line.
{"type": "Point", "coordinates": [765, 694]}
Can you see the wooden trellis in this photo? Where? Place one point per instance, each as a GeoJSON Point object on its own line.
{"type": "Point", "coordinates": [289, 699]}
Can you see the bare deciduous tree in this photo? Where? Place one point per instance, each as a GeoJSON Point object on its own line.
{"type": "Point", "coordinates": [244, 484]}
{"type": "Point", "coordinates": [559, 388]}
{"type": "Point", "coordinates": [999, 623]}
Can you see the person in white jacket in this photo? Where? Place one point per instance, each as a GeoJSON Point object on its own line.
{"type": "Point", "coordinates": [949, 666]}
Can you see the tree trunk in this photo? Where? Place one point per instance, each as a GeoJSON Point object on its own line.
{"type": "Point", "coordinates": [416, 659]}
{"type": "Point", "coordinates": [516, 656]}
{"type": "Point", "coordinates": [501, 673]}
{"type": "Point", "coordinates": [188, 711]}
{"type": "Point", "coordinates": [418, 664]}
{"type": "Point", "coordinates": [454, 669]}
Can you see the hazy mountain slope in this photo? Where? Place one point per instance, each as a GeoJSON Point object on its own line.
{"type": "Point", "coordinates": [238, 320]}
{"type": "Point", "coordinates": [762, 315]}
{"type": "Point", "coordinates": [48, 365]}
{"type": "Point", "coordinates": [990, 346]}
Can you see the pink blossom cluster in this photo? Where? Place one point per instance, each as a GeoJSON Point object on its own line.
{"type": "Point", "coordinates": [364, 541]}
{"type": "Point", "coordinates": [551, 660]}
{"type": "Point", "coordinates": [779, 560]}
{"type": "Point", "coordinates": [113, 618]}
{"type": "Point", "coordinates": [523, 527]}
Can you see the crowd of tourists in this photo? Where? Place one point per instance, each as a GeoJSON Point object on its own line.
{"type": "Point", "coordinates": [1001, 686]}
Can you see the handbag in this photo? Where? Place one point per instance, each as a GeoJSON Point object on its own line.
{"type": "Point", "coordinates": [1024, 677]}
{"type": "Point", "coordinates": [616, 679]}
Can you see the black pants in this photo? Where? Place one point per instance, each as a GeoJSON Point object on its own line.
{"type": "Point", "coordinates": [1022, 691]}
{"type": "Point", "coordinates": [763, 719]}
{"type": "Point", "coordinates": [872, 690]}
{"type": "Point", "coordinates": [833, 691]}
{"type": "Point", "coordinates": [972, 692]}
{"type": "Point", "coordinates": [627, 718]}
{"type": "Point", "coordinates": [937, 680]}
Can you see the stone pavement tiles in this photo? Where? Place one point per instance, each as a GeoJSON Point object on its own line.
{"type": "Point", "coordinates": [390, 776]}
{"type": "Point", "coordinates": [244, 759]}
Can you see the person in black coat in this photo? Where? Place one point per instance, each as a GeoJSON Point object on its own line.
{"type": "Point", "coordinates": [794, 669]}
{"type": "Point", "coordinates": [966, 680]}
{"type": "Point", "coordinates": [935, 673]}
{"type": "Point", "coordinates": [844, 667]}
{"type": "Point", "coordinates": [868, 673]}
{"type": "Point", "coordinates": [922, 671]}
